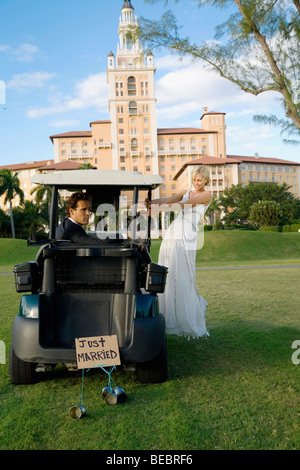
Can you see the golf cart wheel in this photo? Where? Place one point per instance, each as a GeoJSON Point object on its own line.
{"type": "Point", "coordinates": [21, 372]}
{"type": "Point", "coordinates": [156, 370]}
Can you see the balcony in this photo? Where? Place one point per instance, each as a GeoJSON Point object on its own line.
{"type": "Point", "coordinates": [79, 152]}
{"type": "Point", "coordinates": [134, 153]}
{"type": "Point", "coordinates": [104, 145]}
{"type": "Point", "coordinates": [180, 150]}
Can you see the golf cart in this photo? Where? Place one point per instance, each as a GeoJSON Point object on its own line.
{"type": "Point", "coordinates": [73, 291]}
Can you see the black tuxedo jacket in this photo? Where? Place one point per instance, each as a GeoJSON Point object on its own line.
{"type": "Point", "coordinates": [68, 230]}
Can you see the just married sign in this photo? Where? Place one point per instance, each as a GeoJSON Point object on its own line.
{"type": "Point", "coordinates": [97, 351]}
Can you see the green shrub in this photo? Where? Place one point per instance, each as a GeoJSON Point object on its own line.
{"type": "Point", "coordinates": [291, 228]}
{"type": "Point", "coordinates": [272, 228]}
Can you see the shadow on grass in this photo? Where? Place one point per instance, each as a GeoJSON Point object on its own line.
{"type": "Point", "coordinates": [232, 348]}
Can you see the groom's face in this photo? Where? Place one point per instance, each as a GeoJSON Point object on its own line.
{"type": "Point", "coordinates": [81, 213]}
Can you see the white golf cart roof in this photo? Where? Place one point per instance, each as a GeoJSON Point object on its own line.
{"type": "Point", "coordinates": [97, 178]}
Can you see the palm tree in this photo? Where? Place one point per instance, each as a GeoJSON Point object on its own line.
{"type": "Point", "coordinates": [214, 208]}
{"type": "Point", "coordinates": [43, 193]}
{"type": "Point", "coordinates": [10, 186]}
{"type": "Point", "coordinates": [87, 166]}
{"type": "Point", "coordinates": [33, 218]}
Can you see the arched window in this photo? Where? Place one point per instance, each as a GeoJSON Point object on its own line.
{"type": "Point", "coordinates": [134, 147]}
{"type": "Point", "coordinates": [132, 108]}
{"type": "Point", "coordinates": [131, 86]}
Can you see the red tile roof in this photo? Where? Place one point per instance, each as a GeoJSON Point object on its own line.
{"type": "Point", "coordinates": [67, 165]}
{"type": "Point", "coordinates": [206, 161]}
{"type": "Point", "coordinates": [211, 113]}
{"type": "Point", "coordinates": [100, 122]}
{"type": "Point", "coordinates": [72, 134]}
{"type": "Point", "coordinates": [275, 161]}
{"type": "Point", "coordinates": [233, 159]}
{"type": "Point", "coordinates": [27, 165]}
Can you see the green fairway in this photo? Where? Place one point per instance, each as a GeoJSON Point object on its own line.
{"type": "Point", "coordinates": [236, 389]}
{"type": "Point", "coordinates": [240, 247]}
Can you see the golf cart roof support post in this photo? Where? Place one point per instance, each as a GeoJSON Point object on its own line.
{"type": "Point", "coordinates": [135, 205]}
{"type": "Point", "coordinates": [149, 215]}
{"type": "Point", "coordinates": [53, 213]}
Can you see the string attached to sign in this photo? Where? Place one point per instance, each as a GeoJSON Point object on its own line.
{"type": "Point", "coordinates": [91, 352]}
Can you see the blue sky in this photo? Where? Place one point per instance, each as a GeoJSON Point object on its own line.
{"type": "Point", "coordinates": [53, 59]}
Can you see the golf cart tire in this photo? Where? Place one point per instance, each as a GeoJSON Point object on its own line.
{"type": "Point", "coordinates": [21, 372]}
{"type": "Point", "coordinates": [155, 370]}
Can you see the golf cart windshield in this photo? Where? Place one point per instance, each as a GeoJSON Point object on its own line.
{"type": "Point", "coordinates": [117, 201]}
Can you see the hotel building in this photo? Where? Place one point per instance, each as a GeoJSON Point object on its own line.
{"type": "Point", "coordinates": [131, 141]}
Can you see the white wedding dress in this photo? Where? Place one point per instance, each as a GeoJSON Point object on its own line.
{"type": "Point", "coordinates": [182, 306]}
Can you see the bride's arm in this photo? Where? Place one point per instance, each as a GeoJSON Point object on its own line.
{"type": "Point", "coordinates": [169, 200]}
{"type": "Point", "coordinates": [202, 198]}
{"type": "Point", "coordinates": [165, 202]}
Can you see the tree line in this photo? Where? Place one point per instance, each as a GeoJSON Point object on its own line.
{"type": "Point", "coordinates": [30, 219]}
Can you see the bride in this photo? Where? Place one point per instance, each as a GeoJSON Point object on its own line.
{"type": "Point", "coordinates": [182, 306]}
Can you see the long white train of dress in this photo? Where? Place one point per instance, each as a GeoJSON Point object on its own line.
{"type": "Point", "coordinates": [182, 306]}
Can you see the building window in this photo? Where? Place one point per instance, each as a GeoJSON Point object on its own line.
{"type": "Point", "coordinates": [132, 108]}
{"type": "Point", "coordinates": [134, 146]}
{"type": "Point", "coordinates": [131, 86]}
{"type": "Point", "coordinates": [144, 88]}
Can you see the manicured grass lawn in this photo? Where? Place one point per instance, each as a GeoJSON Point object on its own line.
{"type": "Point", "coordinates": [239, 247]}
{"type": "Point", "coordinates": [237, 389]}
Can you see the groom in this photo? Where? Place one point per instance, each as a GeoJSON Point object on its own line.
{"type": "Point", "coordinates": [78, 214]}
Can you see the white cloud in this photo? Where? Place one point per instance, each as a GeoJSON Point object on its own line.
{"type": "Point", "coordinates": [183, 92]}
{"type": "Point", "coordinates": [65, 123]}
{"type": "Point", "coordinates": [91, 92]}
{"type": "Point", "coordinates": [4, 48]}
{"type": "Point", "coordinates": [26, 52]}
{"type": "Point", "coordinates": [26, 80]}
{"type": "Point", "coordinates": [170, 61]}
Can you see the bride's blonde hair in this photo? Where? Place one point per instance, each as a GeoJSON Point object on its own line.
{"type": "Point", "coordinates": [203, 170]}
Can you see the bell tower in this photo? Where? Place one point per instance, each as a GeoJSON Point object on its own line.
{"type": "Point", "coordinates": [132, 102]}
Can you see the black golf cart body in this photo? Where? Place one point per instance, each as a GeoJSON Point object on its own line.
{"type": "Point", "coordinates": [74, 291]}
